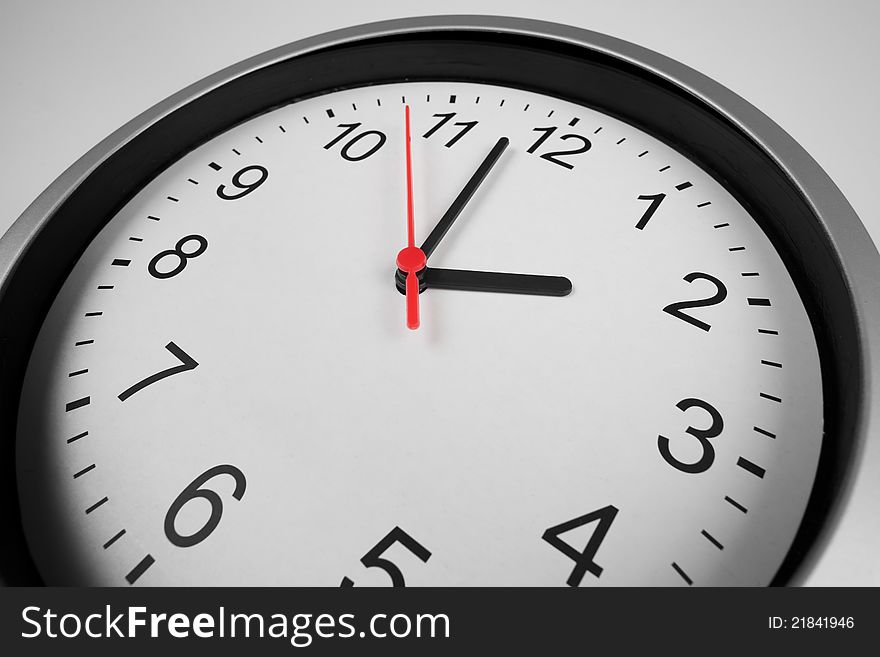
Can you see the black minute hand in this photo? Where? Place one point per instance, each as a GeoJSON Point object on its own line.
{"type": "Point", "coordinates": [493, 281]}
{"type": "Point", "coordinates": [463, 197]}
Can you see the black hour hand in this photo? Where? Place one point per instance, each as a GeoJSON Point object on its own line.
{"type": "Point", "coordinates": [493, 281]}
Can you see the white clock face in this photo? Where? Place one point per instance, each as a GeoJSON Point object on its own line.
{"type": "Point", "coordinates": [663, 421]}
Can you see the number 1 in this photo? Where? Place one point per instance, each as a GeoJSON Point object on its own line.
{"type": "Point", "coordinates": [656, 200]}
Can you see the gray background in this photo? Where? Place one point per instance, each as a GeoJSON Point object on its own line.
{"type": "Point", "coordinates": [72, 72]}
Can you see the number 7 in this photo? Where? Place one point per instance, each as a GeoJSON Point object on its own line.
{"type": "Point", "coordinates": [187, 363]}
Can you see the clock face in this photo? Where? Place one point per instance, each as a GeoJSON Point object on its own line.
{"type": "Point", "coordinates": [225, 390]}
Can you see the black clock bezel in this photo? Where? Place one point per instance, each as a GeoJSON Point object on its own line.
{"type": "Point", "coordinates": [589, 77]}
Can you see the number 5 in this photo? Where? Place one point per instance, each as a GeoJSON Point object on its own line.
{"type": "Point", "coordinates": [373, 558]}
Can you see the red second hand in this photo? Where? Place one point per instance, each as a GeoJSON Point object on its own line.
{"type": "Point", "coordinates": [411, 259]}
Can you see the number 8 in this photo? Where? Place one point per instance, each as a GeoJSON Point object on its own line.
{"type": "Point", "coordinates": [181, 255]}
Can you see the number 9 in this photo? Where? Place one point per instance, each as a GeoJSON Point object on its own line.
{"type": "Point", "coordinates": [247, 187]}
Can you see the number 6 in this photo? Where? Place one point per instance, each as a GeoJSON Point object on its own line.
{"type": "Point", "coordinates": [193, 491]}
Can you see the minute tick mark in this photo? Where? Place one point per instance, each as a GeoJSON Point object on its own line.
{"type": "Point", "coordinates": [764, 432]}
{"type": "Point", "coordinates": [712, 539]}
{"type": "Point", "coordinates": [77, 437]}
{"type": "Point", "coordinates": [683, 574]}
{"type": "Point", "coordinates": [750, 467]}
{"type": "Point", "coordinates": [77, 403]}
{"type": "Point", "coordinates": [140, 569]}
{"type": "Point", "coordinates": [114, 539]}
{"type": "Point", "coordinates": [97, 504]}
{"type": "Point", "coordinates": [86, 469]}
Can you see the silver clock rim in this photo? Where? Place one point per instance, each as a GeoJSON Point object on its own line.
{"type": "Point", "coordinates": [842, 228]}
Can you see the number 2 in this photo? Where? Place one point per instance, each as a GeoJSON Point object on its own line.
{"type": "Point", "coordinates": [675, 309]}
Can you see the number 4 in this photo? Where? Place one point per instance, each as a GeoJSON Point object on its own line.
{"type": "Point", "coordinates": [584, 559]}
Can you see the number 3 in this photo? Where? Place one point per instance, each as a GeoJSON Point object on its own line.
{"type": "Point", "coordinates": [702, 435]}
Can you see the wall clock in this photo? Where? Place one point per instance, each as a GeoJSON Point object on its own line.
{"type": "Point", "coordinates": [448, 301]}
